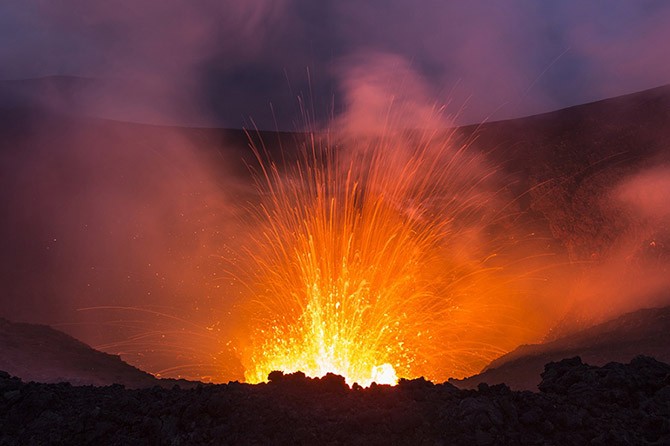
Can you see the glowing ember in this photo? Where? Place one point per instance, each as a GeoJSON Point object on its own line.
{"type": "Point", "coordinates": [372, 261]}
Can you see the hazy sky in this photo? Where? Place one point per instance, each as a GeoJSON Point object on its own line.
{"type": "Point", "coordinates": [229, 59]}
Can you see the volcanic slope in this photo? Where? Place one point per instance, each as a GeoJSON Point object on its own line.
{"type": "Point", "coordinates": [643, 332]}
{"type": "Point", "coordinates": [566, 162]}
{"type": "Point", "coordinates": [43, 354]}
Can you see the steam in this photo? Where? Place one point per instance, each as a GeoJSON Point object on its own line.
{"type": "Point", "coordinates": [124, 227]}
{"type": "Point", "coordinates": [388, 103]}
{"type": "Point", "coordinates": [647, 195]}
{"type": "Point", "coordinates": [383, 94]}
{"type": "Point", "coordinates": [633, 272]}
{"type": "Point", "coordinates": [144, 61]}
{"type": "Point", "coordinates": [220, 62]}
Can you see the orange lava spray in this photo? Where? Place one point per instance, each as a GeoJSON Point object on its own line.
{"type": "Point", "coordinates": [373, 258]}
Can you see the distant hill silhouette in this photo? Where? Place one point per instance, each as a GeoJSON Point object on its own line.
{"type": "Point", "coordinates": [644, 332]}
{"type": "Point", "coordinates": [41, 353]}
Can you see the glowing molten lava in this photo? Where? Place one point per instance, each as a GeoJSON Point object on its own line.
{"type": "Point", "coordinates": [372, 261]}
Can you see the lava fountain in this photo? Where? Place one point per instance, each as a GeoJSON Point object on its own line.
{"type": "Point", "coordinates": [377, 257]}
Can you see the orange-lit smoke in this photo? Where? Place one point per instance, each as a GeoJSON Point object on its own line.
{"type": "Point", "coordinates": [634, 272]}
{"type": "Point", "coordinates": [126, 223]}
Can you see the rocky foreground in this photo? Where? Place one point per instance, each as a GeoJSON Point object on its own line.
{"type": "Point", "coordinates": [577, 404]}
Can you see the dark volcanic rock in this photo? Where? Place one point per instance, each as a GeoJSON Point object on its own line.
{"type": "Point", "coordinates": [579, 404]}
{"type": "Point", "coordinates": [571, 376]}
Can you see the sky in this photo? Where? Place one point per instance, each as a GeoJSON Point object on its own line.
{"type": "Point", "coordinates": [266, 62]}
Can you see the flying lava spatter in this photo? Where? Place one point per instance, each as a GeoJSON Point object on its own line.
{"type": "Point", "coordinates": [374, 258]}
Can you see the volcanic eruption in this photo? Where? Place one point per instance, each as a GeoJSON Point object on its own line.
{"type": "Point", "coordinates": [381, 256]}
